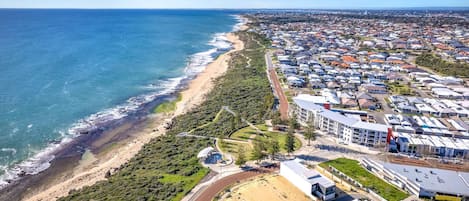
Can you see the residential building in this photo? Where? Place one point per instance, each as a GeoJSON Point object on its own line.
{"type": "Point", "coordinates": [422, 181]}
{"type": "Point", "coordinates": [432, 145]}
{"type": "Point", "coordinates": [345, 129]}
{"type": "Point", "coordinates": [310, 182]}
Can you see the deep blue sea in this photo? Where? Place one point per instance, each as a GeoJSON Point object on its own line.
{"type": "Point", "coordinates": [64, 71]}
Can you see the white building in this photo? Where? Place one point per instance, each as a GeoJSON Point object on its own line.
{"type": "Point", "coordinates": [346, 129]}
{"type": "Point", "coordinates": [310, 182]}
{"type": "Point", "coordinates": [432, 145]}
{"type": "Point", "coordinates": [446, 93]}
{"type": "Point", "coordinates": [421, 181]}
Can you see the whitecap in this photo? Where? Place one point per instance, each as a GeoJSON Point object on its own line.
{"type": "Point", "coordinates": [11, 150]}
{"type": "Point", "coordinates": [40, 160]}
{"type": "Point", "coordinates": [241, 21]}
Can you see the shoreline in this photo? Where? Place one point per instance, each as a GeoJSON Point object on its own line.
{"type": "Point", "coordinates": [92, 168]}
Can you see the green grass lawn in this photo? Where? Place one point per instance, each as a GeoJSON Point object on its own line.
{"type": "Point", "coordinates": [354, 170]}
{"type": "Point", "coordinates": [245, 133]}
{"type": "Point", "coordinates": [168, 106]}
{"type": "Point", "coordinates": [189, 182]}
{"type": "Point", "coordinates": [281, 138]}
{"type": "Point", "coordinates": [401, 89]}
{"type": "Point", "coordinates": [232, 148]}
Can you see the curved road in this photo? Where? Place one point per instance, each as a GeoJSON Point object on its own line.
{"type": "Point", "coordinates": [211, 191]}
{"type": "Point", "coordinates": [278, 91]}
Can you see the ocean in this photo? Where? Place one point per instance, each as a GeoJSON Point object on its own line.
{"type": "Point", "coordinates": [65, 73]}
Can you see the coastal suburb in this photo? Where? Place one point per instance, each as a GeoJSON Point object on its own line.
{"type": "Point", "coordinates": [277, 104]}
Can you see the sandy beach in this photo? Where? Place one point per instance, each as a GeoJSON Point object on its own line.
{"type": "Point", "coordinates": [202, 84]}
{"type": "Point", "coordinates": [93, 167]}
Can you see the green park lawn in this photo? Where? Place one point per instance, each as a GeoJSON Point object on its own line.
{"type": "Point", "coordinates": [354, 170]}
{"type": "Point", "coordinates": [400, 89]}
{"type": "Point", "coordinates": [245, 133]}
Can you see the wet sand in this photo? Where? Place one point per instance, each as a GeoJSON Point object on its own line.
{"type": "Point", "coordinates": [116, 147]}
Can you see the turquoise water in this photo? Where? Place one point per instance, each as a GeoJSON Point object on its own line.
{"type": "Point", "coordinates": [65, 71]}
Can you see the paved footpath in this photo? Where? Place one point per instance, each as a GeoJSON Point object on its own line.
{"type": "Point", "coordinates": [211, 191]}
{"type": "Point", "coordinates": [278, 91]}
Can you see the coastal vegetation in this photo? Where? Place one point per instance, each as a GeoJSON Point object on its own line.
{"type": "Point", "coordinates": [168, 106]}
{"type": "Point", "coordinates": [353, 169]}
{"type": "Point", "coordinates": [167, 167]}
{"type": "Point", "coordinates": [442, 66]}
{"type": "Point", "coordinates": [244, 88]}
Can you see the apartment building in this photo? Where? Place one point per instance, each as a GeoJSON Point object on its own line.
{"type": "Point", "coordinates": [346, 129]}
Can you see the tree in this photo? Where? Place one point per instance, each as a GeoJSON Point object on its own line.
{"type": "Point", "coordinates": [258, 151]}
{"type": "Point", "coordinates": [241, 159]}
{"type": "Point", "coordinates": [309, 133]}
{"type": "Point", "coordinates": [291, 127]}
{"type": "Point", "coordinates": [276, 120]}
{"type": "Point", "coordinates": [293, 123]}
{"type": "Point", "coordinates": [274, 148]}
{"type": "Point", "coordinates": [290, 144]}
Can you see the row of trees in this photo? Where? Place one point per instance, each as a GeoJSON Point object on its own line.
{"type": "Point", "coordinates": [272, 147]}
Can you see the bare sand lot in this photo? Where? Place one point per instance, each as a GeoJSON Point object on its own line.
{"type": "Point", "coordinates": [270, 187]}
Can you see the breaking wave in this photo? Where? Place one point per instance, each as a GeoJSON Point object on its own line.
{"type": "Point", "coordinates": [40, 161]}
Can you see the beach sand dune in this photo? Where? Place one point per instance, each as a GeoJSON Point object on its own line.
{"type": "Point", "coordinates": [92, 168]}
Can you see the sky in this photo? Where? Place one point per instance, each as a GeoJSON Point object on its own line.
{"type": "Point", "coordinates": [345, 4]}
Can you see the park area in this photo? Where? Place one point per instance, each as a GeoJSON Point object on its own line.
{"type": "Point", "coordinates": [355, 171]}
{"type": "Point", "coordinates": [267, 187]}
{"type": "Point", "coordinates": [245, 138]}
{"type": "Point", "coordinates": [400, 89]}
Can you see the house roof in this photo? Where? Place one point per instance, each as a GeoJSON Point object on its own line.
{"type": "Point", "coordinates": [365, 102]}
{"type": "Point", "coordinates": [364, 95]}
{"type": "Point", "coordinates": [432, 179]}
{"type": "Point", "coordinates": [374, 87]}
{"type": "Point", "coordinates": [371, 126]}
{"type": "Point", "coordinates": [349, 59]}
{"type": "Point", "coordinates": [311, 176]}
{"type": "Point", "coordinates": [305, 104]}
{"type": "Point", "coordinates": [336, 116]}
{"type": "Point", "coordinates": [348, 101]}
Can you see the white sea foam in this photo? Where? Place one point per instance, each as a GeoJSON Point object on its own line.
{"type": "Point", "coordinates": [10, 150]}
{"type": "Point", "coordinates": [241, 21]}
{"type": "Point", "coordinates": [40, 161]}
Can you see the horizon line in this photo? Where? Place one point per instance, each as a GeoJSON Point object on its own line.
{"type": "Point", "coordinates": [137, 8]}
